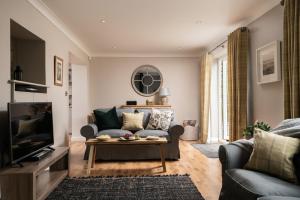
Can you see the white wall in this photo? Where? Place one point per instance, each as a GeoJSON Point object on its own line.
{"type": "Point", "coordinates": [110, 81]}
{"type": "Point", "coordinates": [57, 43]}
{"type": "Point", "coordinates": [80, 105]}
{"type": "Point", "coordinates": [267, 101]}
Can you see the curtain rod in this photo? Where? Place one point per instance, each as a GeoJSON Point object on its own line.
{"type": "Point", "coordinates": [242, 29]}
{"type": "Point", "coordinates": [219, 45]}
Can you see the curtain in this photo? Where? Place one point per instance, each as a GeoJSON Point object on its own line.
{"type": "Point", "coordinates": [291, 58]}
{"type": "Point", "coordinates": [237, 55]}
{"type": "Point", "coordinates": [205, 77]}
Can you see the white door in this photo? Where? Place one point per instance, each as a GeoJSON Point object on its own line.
{"type": "Point", "coordinates": [80, 107]}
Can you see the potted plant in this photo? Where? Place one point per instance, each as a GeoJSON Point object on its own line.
{"type": "Point", "coordinates": [249, 130]}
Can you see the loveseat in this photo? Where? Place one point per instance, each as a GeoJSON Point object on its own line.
{"type": "Point", "coordinates": [134, 152]}
{"type": "Point", "coordinates": [239, 183]}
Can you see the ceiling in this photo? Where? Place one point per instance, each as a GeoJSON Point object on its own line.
{"type": "Point", "coordinates": [154, 27]}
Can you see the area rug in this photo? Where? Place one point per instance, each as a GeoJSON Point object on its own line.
{"type": "Point", "coordinates": [170, 187]}
{"type": "Point", "coordinates": [209, 150]}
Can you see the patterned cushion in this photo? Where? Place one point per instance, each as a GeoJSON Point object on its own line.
{"type": "Point", "coordinates": [274, 154]}
{"type": "Point", "coordinates": [160, 120]}
{"type": "Point", "coordinates": [133, 121]}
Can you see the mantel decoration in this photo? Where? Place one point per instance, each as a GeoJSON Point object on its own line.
{"type": "Point", "coordinates": [58, 71]}
{"type": "Point", "coordinates": [268, 64]}
{"type": "Point", "coordinates": [164, 93]}
{"type": "Point", "coordinates": [146, 80]}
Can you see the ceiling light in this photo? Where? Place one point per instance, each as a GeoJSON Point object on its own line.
{"type": "Point", "coordinates": [103, 21]}
{"type": "Point", "coordinates": [114, 47]}
{"type": "Point", "coordinates": [198, 22]}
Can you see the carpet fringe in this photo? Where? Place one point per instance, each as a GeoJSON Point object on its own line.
{"type": "Point", "coordinates": [127, 176]}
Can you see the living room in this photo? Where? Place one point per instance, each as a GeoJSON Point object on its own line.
{"type": "Point", "coordinates": [138, 99]}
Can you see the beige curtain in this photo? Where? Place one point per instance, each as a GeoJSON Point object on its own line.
{"type": "Point", "coordinates": [291, 58]}
{"type": "Point", "coordinates": [205, 77]}
{"type": "Point", "coordinates": [237, 82]}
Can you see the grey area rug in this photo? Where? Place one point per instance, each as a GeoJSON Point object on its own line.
{"type": "Point", "coordinates": [172, 187]}
{"type": "Point", "coordinates": [209, 150]}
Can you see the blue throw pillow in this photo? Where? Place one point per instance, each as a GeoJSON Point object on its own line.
{"type": "Point", "coordinates": [297, 165]}
{"type": "Point", "coordinates": [107, 120]}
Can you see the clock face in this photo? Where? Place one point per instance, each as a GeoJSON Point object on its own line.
{"type": "Point", "coordinates": [146, 80]}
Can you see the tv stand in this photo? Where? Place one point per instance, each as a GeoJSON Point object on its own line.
{"type": "Point", "coordinates": [36, 180]}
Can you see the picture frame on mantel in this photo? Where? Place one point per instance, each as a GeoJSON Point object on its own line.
{"type": "Point", "coordinates": [268, 63]}
{"type": "Point", "coordinates": [58, 71]}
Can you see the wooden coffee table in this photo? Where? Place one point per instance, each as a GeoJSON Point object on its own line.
{"type": "Point", "coordinates": [93, 143]}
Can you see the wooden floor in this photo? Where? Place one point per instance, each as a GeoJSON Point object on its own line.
{"type": "Point", "coordinates": [205, 172]}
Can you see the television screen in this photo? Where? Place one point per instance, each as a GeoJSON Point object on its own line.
{"type": "Point", "coordinates": [31, 128]}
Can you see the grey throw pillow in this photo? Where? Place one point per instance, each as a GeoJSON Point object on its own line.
{"type": "Point", "coordinates": [289, 128]}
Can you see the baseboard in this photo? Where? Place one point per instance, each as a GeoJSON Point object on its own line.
{"type": "Point", "coordinates": [77, 139]}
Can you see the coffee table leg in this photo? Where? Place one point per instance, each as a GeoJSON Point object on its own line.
{"type": "Point", "coordinates": [91, 159]}
{"type": "Point", "coordinates": [162, 156]}
{"type": "Point", "coordinates": [94, 157]}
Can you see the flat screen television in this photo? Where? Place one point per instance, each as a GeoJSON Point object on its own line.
{"type": "Point", "coordinates": [31, 129]}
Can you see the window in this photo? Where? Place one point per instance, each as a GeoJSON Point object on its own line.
{"type": "Point", "coordinates": [218, 127]}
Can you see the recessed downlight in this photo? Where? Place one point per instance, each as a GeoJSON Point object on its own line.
{"type": "Point", "coordinates": [103, 21]}
{"type": "Point", "coordinates": [198, 22]}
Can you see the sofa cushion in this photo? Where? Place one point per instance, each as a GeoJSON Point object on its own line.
{"type": "Point", "coordinates": [297, 166]}
{"type": "Point", "coordinates": [251, 183]}
{"type": "Point", "coordinates": [274, 154]}
{"type": "Point", "coordinates": [114, 133]}
{"type": "Point", "coordinates": [160, 120]}
{"type": "Point", "coordinates": [119, 112]}
{"type": "Point", "coordinates": [288, 127]}
{"type": "Point", "coordinates": [147, 114]}
{"type": "Point", "coordinates": [278, 198]}
{"type": "Point", "coordinates": [107, 120]}
{"type": "Point", "coordinates": [133, 121]}
{"type": "Point", "coordinates": [159, 133]}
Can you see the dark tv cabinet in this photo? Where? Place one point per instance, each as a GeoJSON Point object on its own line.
{"type": "Point", "coordinates": [36, 180]}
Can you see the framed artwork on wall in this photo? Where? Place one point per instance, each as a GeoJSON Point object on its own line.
{"type": "Point", "coordinates": [268, 63]}
{"type": "Point", "coordinates": [58, 71]}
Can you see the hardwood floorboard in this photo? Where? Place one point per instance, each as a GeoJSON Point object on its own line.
{"type": "Point", "coordinates": [205, 172]}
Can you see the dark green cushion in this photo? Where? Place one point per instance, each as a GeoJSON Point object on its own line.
{"type": "Point", "coordinates": [107, 120]}
{"type": "Point", "coordinates": [297, 165]}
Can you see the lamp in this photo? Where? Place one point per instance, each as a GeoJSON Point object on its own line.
{"type": "Point", "coordinates": [164, 93]}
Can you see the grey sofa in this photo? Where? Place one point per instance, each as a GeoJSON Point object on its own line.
{"type": "Point", "coordinates": [134, 152]}
{"type": "Point", "coordinates": [239, 183]}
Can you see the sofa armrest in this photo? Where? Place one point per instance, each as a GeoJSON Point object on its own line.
{"type": "Point", "coordinates": [89, 131]}
{"type": "Point", "coordinates": [175, 131]}
{"type": "Point", "coordinates": [235, 154]}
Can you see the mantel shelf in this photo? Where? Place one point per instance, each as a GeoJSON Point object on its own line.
{"type": "Point", "coordinates": [27, 83]}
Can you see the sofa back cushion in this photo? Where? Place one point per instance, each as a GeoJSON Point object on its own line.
{"type": "Point", "coordinates": [274, 154]}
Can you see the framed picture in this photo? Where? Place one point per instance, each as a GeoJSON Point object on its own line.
{"type": "Point", "coordinates": [268, 65]}
{"type": "Point", "coordinates": [58, 71]}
